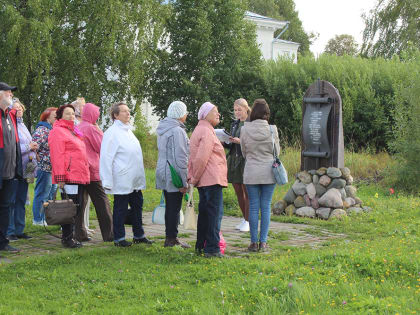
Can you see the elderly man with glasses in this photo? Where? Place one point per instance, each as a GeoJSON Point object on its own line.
{"type": "Point", "coordinates": [10, 161]}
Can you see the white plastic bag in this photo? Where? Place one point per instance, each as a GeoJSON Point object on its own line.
{"type": "Point", "coordinates": [190, 220]}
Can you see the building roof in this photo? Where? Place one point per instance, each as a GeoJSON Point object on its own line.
{"type": "Point", "coordinates": [265, 21]}
{"type": "Point", "coordinates": [285, 42]}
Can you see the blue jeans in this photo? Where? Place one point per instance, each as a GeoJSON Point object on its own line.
{"type": "Point", "coordinates": [17, 209]}
{"type": "Point", "coordinates": [210, 213]}
{"type": "Point", "coordinates": [259, 198]}
{"type": "Point", "coordinates": [41, 194]}
{"type": "Point", "coordinates": [135, 199]}
{"type": "Point", "coordinates": [6, 199]}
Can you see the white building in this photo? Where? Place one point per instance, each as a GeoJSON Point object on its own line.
{"type": "Point", "coordinates": [271, 48]}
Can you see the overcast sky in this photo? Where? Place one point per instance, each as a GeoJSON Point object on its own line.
{"type": "Point", "coordinates": [333, 17]}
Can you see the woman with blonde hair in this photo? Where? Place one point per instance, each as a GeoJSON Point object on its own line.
{"type": "Point", "coordinates": [236, 162]}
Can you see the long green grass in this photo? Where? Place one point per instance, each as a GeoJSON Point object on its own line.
{"type": "Point", "coordinates": [373, 270]}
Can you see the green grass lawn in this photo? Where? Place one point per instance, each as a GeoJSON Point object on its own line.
{"type": "Point", "coordinates": [373, 270]}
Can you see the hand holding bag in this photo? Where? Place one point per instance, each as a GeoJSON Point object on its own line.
{"type": "Point", "coordinates": [280, 173]}
{"type": "Point", "coordinates": [190, 219]}
{"type": "Point", "coordinates": [158, 216]}
{"type": "Point", "coordinates": [60, 212]}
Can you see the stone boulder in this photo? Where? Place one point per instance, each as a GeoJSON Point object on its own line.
{"type": "Point", "coordinates": [343, 193]}
{"type": "Point", "coordinates": [315, 179]}
{"type": "Point", "coordinates": [299, 188]}
{"type": "Point", "coordinates": [354, 210]}
{"type": "Point", "coordinates": [306, 212]}
{"type": "Point", "coordinates": [333, 172]}
{"type": "Point", "coordinates": [290, 196]}
{"type": "Point", "coordinates": [315, 203]}
{"type": "Point", "coordinates": [279, 207]}
{"type": "Point", "coordinates": [351, 191]}
{"type": "Point", "coordinates": [338, 214]}
{"type": "Point", "coordinates": [323, 213]}
{"type": "Point", "coordinates": [349, 180]}
{"type": "Point", "coordinates": [324, 180]}
{"type": "Point", "coordinates": [338, 183]}
{"type": "Point", "coordinates": [345, 172]}
{"type": "Point", "coordinates": [310, 189]}
{"type": "Point", "coordinates": [321, 171]}
{"type": "Point", "coordinates": [290, 210]}
{"type": "Point", "coordinates": [307, 200]}
{"type": "Point", "coordinates": [331, 199]}
{"type": "Point", "coordinates": [320, 190]}
{"type": "Point", "coordinates": [299, 202]}
{"type": "Point", "coordinates": [350, 201]}
{"type": "Point", "coordinates": [304, 177]}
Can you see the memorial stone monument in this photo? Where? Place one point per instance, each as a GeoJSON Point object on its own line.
{"type": "Point", "coordinates": [324, 187]}
{"type": "Point", "coordinates": [322, 127]}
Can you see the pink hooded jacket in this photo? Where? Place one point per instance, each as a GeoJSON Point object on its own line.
{"type": "Point", "coordinates": [92, 136]}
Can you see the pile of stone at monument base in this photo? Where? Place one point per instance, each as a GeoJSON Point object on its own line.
{"type": "Point", "coordinates": [324, 193]}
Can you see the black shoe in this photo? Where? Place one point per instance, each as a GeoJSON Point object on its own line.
{"type": "Point", "coordinates": [11, 249]}
{"type": "Point", "coordinates": [12, 238]}
{"type": "Point", "coordinates": [71, 243]}
{"type": "Point", "coordinates": [122, 243]}
{"type": "Point", "coordinates": [216, 255]}
{"type": "Point", "coordinates": [24, 236]}
{"type": "Point", "coordinates": [171, 242]}
{"type": "Point", "coordinates": [144, 240]}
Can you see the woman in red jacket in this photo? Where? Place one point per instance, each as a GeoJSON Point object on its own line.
{"type": "Point", "coordinates": [69, 167]}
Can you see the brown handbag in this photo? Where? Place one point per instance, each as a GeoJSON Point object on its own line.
{"type": "Point", "coordinates": [60, 212]}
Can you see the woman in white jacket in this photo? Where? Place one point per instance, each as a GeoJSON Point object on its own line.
{"type": "Point", "coordinates": [122, 174]}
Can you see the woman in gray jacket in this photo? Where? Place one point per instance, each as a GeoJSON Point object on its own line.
{"type": "Point", "coordinates": [173, 149]}
{"type": "Point", "coordinates": [258, 140]}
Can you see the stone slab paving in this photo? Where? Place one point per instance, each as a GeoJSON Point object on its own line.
{"type": "Point", "coordinates": [285, 234]}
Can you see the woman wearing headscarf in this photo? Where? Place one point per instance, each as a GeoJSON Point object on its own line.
{"type": "Point", "coordinates": [257, 138]}
{"type": "Point", "coordinates": [173, 148]}
{"type": "Point", "coordinates": [122, 173]}
{"type": "Point", "coordinates": [92, 137]}
{"type": "Point", "coordinates": [43, 184]}
{"type": "Point", "coordinates": [207, 170]}
{"type": "Point", "coordinates": [27, 148]}
{"type": "Point", "coordinates": [70, 167]}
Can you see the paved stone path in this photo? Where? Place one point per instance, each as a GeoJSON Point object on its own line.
{"type": "Point", "coordinates": [281, 234]}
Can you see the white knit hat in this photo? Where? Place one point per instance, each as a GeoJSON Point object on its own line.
{"type": "Point", "coordinates": [177, 109]}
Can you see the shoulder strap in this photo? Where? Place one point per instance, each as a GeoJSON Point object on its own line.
{"type": "Point", "coordinates": [272, 141]}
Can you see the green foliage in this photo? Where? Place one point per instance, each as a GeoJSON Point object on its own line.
{"type": "Point", "coordinates": [407, 136]}
{"type": "Point", "coordinates": [285, 10]}
{"type": "Point", "coordinates": [368, 88]}
{"type": "Point", "coordinates": [56, 50]}
{"type": "Point", "coordinates": [212, 56]}
{"type": "Point", "coordinates": [390, 27]}
{"type": "Point", "coordinates": [341, 45]}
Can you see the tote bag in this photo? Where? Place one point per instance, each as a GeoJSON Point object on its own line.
{"type": "Point", "coordinates": [279, 171]}
{"type": "Point", "coordinates": [190, 219]}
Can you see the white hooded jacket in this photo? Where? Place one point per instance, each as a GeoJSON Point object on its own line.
{"type": "Point", "coordinates": [121, 161]}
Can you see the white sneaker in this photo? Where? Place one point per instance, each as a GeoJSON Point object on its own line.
{"type": "Point", "coordinates": [44, 223]}
{"type": "Point", "coordinates": [238, 227]}
{"type": "Point", "coordinates": [37, 223]}
{"type": "Point", "coordinates": [90, 231]}
{"type": "Point", "coordinates": [245, 227]}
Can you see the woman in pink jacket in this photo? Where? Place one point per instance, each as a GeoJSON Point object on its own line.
{"type": "Point", "coordinates": [69, 166]}
{"type": "Point", "coordinates": [207, 170]}
{"type": "Point", "coordinates": [92, 137]}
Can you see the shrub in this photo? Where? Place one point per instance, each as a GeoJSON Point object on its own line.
{"type": "Point", "coordinates": [407, 137]}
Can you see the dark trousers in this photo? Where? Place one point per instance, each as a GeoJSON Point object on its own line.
{"type": "Point", "coordinates": [17, 209]}
{"type": "Point", "coordinates": [102, 207]}
{"type": "Point", "coordinates": [67, 229]}
{"type": "Point", "coordinates": [173, 204]}
{"type": "Point", "coordinates": [121, 202]}
{"type": "Point", "coordinates": [208, 224]}
{"type": "Point", "coordinates": [6, 200]}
